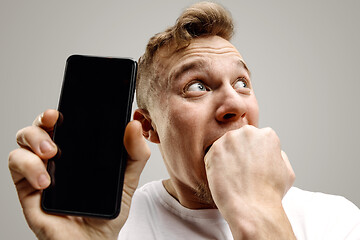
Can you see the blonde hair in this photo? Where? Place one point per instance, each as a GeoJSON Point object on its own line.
{"type": "Point", "coordinates": [200, 19]}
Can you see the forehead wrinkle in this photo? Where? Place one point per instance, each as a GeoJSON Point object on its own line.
{"type": "Point", "coordinates": [196, 58]}
{"type": "Point", "coordinates": [207, 50]}
{"type": "Point", "coordinates": [198, 63]}
{"type": "Point", "coordinates": [185, 67]}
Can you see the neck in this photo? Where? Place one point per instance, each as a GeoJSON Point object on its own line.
{"type": "Point", "coordinates": [189, 197]}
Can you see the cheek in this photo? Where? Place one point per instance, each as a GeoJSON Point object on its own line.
{"type": "Point", "coordinates": [183, 137]}
{"type": "Point", "coordinates": [185, 117]}
{"type": "Point", "coordinates": [180, 134]}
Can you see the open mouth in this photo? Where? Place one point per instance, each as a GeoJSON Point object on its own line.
{"type": "Point", "coordinates": [207, 149]}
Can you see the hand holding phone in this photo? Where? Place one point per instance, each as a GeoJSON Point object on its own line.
{"type": "Point", "coordinates": [95, 106]}
{"type": "Point", "coordinates": [27, 168]}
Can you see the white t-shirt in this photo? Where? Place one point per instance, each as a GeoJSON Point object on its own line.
{"type": "Point", "coordinates": [155, 214]}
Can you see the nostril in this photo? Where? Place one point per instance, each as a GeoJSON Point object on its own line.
{"type": "Point", "coordinates": [229, 115]}
{"type": "Point", "coordinates": [242, 116]}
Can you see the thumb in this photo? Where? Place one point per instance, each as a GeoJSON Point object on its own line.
{"type": "Point", "coordinates": [138, 153]}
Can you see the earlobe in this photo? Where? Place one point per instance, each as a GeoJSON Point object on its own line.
{"type": "Point", "coordinates": [149, 132]}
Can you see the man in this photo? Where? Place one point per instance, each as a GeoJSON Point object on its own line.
{"type": "Point", "coordinates": [228, 178]}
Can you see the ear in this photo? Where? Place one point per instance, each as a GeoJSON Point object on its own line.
{"type": "Point", "coordinates": [149, 132]}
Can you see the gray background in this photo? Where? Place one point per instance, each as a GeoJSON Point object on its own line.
{"type": "Point", "coordinates": [304, 56]}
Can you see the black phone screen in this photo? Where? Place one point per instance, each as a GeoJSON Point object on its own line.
{"type": "Point", "coordinates": [95, 105]}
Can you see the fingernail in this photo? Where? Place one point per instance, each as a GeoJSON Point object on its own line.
{"type": "Point", "coordinates": [43, 181]}
{"type": "Point", "coordinates": [46, 146]}
{"type": "Point", "coordinates": [41, 117]}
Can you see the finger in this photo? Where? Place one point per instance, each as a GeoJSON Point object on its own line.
{"type": "Point", "coordinates": [47, 119]}
{"type": "Point", "coordinates": [38, 140]}
{"type": "Point", "coordinates": [138, 151]}
{"type": "Point", "coordinates": [24, 164]}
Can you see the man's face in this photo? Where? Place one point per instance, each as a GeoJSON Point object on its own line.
{"type": "Point", "coordinates": [209, 93]}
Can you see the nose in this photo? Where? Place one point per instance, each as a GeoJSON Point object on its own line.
{"type": "Point", "coordinates": [231, 106]}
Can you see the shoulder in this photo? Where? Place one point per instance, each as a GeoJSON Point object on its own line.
{"type": "Point", "coordinates": [149, 193]}
{"type": "Point", "coordinates": [141, 215]}
{"type": "Point", "coordinates": [298, 198]}
{"type": "Point", "coordinates": [318, 214]}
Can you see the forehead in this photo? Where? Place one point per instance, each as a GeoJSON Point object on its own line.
{"type": "Point", "coordinates": [200, 54]}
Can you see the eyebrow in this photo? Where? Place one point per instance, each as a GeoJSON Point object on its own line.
{"type": "Point", "coordinates": [187, 67]}
{"type": "Point", "coordinates": [197, 64]}
{"type": "Point", "coordinates": [243, 64]}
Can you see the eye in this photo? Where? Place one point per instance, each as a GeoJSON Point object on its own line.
{"type": "Point", "coordinates": [240, 83]}
{"type": "Point", "coordinates": [196, 87]}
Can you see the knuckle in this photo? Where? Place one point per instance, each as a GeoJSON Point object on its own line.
{"type": "Point", "coordinates": [20, 161]}
{"type": "Point", "coordinates": [19, 135]}
{"type": "Point", "coordinates": [23, 134]}
{"type": "Point", "coordinates": [271, 134]}
{"type": "Point", "coordinates": [230, 134]}
{"type": "Point", "coordinates": [12, 159]}
{"type": "Point", "coordinates": [269, 131]}
{"type": "Point", "coordinates": [227, 139]}
{"type": "Point", "coordinates": [291, 174]}
{"type": "Point", "coordinates": [248, 130]}
{"type": "Point", "coordinates": [292, 177]}
{"type": "Point", "coordinates": [130, 188]}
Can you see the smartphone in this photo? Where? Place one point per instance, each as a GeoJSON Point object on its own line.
{"type": "Point", "coordinates": [95, 104]}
